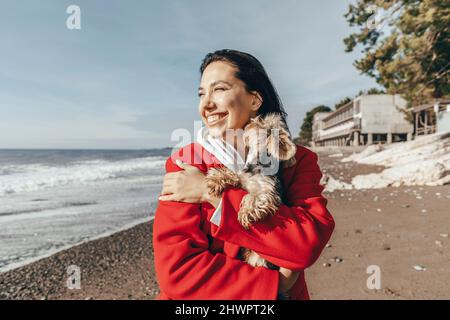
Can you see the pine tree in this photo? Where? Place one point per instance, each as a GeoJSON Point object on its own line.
{"type": "Point", "coordinates": [405, 45]}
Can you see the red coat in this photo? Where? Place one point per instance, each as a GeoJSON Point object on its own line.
{"type": "Point", "coordinates": [195, 259]}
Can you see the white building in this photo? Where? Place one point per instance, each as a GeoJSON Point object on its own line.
{"type": "Point", "coordinates": [432, 117]}
{"type": "Point", "coordinates": [365, 120]}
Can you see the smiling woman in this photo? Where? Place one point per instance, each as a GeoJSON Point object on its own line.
{"type": "Point", "coordinates": [225, 102]}
{"type": "Point", "coordinates": [197, 236]}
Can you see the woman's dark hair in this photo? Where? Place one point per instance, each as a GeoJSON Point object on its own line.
{"type": "Point", "coordinates": [252, 73]}
{"type": "Point", "coordinates": [255, 77]}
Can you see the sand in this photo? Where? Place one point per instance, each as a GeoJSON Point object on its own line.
{"type": "Point", "coordinates": [393, 228]}
{"type": "Point", "coordinates": [396, 229]}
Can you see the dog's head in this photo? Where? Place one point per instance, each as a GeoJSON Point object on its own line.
{"type": "Point", "coordinates": [269, 133]}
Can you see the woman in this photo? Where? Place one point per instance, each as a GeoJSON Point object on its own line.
{"type": "Point", "coordinates": [197, 237]}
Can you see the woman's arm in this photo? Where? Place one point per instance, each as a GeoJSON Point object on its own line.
{"type": "Point", "coordinates": [295, 236]}
{"type": "Point", "coordinates": [186, 269]}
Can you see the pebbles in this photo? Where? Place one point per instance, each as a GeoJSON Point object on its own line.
{"type": "Point", "coordinates": [111, 268]}
{"type": "Point", "coordinates": [336, 259]}
{"type": "Point", "coordinates": [419, 268]}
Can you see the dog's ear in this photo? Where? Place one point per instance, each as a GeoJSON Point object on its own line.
{"type": "Point", "coordinates": [287, 146]}
{"type": "Point", "coordinates": [271, 121]}
{"type": "Point", "coordinates": [258, 121]}
{"type": "Point", "coordinates": [280, 145]}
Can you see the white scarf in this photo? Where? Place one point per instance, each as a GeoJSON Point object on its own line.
{"type": "Point", "coordinates": [221, 149]}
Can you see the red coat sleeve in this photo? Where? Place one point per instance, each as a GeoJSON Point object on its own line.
{"type": "Point", "coordinates": [297, 234]}
{"type": "Point", "coordinates": [186, 269]}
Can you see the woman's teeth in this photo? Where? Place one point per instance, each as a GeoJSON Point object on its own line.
{"type": "Point", "coordinates": [215, 117]}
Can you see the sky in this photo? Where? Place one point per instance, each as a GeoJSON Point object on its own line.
{"type": "Point", "coordinates": [129, 77]}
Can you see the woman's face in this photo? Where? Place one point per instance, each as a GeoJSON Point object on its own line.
{"type": "Point", "coordinates": [224, 101]}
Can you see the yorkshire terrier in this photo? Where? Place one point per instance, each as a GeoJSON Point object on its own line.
{"type": "Point", "coordinates": [266, 135]}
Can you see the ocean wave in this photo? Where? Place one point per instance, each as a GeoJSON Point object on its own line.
{"type": "Point", "coordinates": [44, 208]}
{"type": "Point", "coordinates": [7, 170]}
{"type": "Point", "coordinates": [25, 178]}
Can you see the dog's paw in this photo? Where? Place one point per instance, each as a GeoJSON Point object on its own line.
{"type": "Point", "coordinates": [215, 189]}
{"type": "Point", "coordinates": [217, 179]}
{"type": "Point", "coordinates": [214, 182]}
{"type": "Point", "coordinates": [266, 205]}
{"type": "Point", "coordinates": [245, 215]}
{"type": "Point", "coordinates": [244, 220]}
{"type": "Point", "coordinates": [257, 206]}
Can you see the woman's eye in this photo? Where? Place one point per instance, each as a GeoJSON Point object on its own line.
{"type": "Point", "coordinates": [215, 89]}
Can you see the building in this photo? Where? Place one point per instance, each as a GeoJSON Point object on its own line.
{"type": "Point", "coordinates": [317, 126]}
{"type": "Point", "coordinates": [366, 119]}
{"type": "Point", "coordinates": [432, 117]}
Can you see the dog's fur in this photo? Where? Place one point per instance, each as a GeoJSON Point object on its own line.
{"type": "Point", "coordinates": [264, 191]}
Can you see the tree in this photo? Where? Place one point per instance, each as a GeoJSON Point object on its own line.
{"type": "Point", "coordinates": [405, 45]}
{"type": "Point", "coordinates": [342, 103]}
{"type": "Point", "coordinates": [371, 91]}
{"type": "Point", "coordinates": [305, 134]}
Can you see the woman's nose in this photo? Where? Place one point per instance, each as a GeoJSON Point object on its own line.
{"type": "Point", "coordinates": [208, 103]}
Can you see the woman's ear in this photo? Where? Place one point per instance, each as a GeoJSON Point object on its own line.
{"type": "Point", "coordinates": [256, 101]}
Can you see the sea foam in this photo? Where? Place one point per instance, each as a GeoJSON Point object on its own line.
{"type": "Point", "coordinates": [32, 177]}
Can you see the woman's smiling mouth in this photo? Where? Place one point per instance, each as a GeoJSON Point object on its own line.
{"type": "Point", "coordinates": [216, 118]}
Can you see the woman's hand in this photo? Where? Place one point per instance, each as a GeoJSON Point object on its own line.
{"type": "Point", "coordinates": [188, 185]}
{"type": "Point", "coordinates": [287, 279]}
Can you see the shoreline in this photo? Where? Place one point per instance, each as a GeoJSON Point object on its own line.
{"type": "Point", "coordinates": [23, 263]}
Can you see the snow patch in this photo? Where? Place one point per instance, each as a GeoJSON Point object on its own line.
{"type": "Point", "coordinates": [424, 161]}
{"type": "Point", "coordinates": [335, 155]}
{"type": "Point", "coordinates": [332, 184]}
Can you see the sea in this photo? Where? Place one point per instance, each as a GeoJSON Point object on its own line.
{"type": "Point", "coordinates": [51, 200]}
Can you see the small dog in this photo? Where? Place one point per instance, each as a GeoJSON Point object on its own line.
{"type": "Point", "coordinates": [263, 135]}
